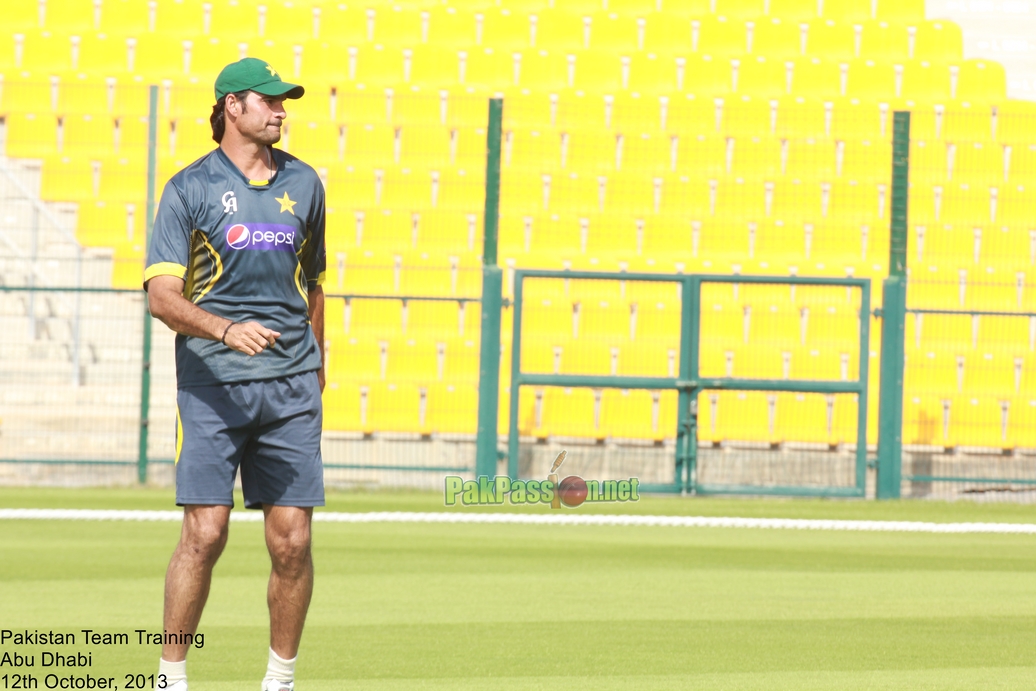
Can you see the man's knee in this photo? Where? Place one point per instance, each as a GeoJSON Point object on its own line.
{"type": "Point", "coordinates": [205, 534]}
{"type": "Point", "coordinates": [288, 538]}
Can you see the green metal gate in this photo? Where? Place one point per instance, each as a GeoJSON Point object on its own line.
{"type": "Point", "coordinates": [689, 382]}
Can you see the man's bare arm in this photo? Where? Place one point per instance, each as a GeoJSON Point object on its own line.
{"type": "Point", "coordinates": [316, 320]}
{"type": "Point", "coordinates": [167, 303]}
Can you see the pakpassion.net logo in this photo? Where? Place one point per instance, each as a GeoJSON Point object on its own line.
{"type": "Point", "coordinates": [572, 491]}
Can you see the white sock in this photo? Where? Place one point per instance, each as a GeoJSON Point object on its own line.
{"type": "Point", "coordinates": [173, 671]}
{"type": "Point", "coordinates": [280, 669]}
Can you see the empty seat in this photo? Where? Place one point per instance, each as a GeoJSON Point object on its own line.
{"type": "Point", "coordinates": [981, 81]}
{"type": "Point", "coordinates": [938, 41]}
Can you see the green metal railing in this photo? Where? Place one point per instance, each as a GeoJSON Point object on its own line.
{"type": "Point", "coordinates": [689, 382]}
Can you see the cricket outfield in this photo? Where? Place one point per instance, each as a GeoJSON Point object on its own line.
{"type": "Point", "coordinates": [415, 605]}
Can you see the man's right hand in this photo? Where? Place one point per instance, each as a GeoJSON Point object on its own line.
{"type": "Point", "coordinates": [250, 338]}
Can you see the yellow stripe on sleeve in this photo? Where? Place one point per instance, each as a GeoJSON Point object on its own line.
{"type": "Point", "coordinates": [165, 269]}
{"type": "Point", "coordinates": [321, 277]}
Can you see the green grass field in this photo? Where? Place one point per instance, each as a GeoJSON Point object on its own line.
{"type": "Point", "coordinates": [433, 606]}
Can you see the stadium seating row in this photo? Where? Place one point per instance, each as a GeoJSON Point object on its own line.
{"type": "Point", "coordinates": [920, 80]}
{"type": "Point", "coordinates": [615, 23]}
{"type": "Point", "coordinates": [502, 33]}
{"type": "Point", "coordinates": [947, 420]}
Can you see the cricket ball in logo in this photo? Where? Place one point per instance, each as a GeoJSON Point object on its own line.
{"type": "Point", "coordinates": [571, 491]}
{"type": "Point", "coordinates": [238, 236]}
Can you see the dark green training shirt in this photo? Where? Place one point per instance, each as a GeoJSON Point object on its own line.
{"type": "Point", "coordinates": [248, 250]}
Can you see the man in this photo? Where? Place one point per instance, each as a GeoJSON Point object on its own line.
{"type": "Point", "coordinates": [234, 268]}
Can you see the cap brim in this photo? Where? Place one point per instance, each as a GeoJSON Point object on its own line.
{"type": "Point", "coordinates": [280, 89]}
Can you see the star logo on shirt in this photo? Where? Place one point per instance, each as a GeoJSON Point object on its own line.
{"type": "Point", "coordinates": [286, 204]}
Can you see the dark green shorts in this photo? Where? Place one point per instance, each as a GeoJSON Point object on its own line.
{"type": "Point", "coordinates": [270, 429]}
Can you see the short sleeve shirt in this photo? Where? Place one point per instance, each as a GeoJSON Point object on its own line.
{"type": "Point", "coordinates": [249, 251]}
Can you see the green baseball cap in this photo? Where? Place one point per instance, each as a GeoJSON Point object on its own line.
{"type": "Point", "coordinates": [256, 75]}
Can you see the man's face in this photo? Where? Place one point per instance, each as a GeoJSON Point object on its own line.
{"type": "Point", "coordinates": [259, 118]}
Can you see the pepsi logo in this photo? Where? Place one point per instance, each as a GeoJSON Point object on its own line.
{"type": "Point", "coordinates": [238, 236]}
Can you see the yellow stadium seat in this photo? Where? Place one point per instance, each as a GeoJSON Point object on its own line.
{"type": "Point", "coordinates": [794, 10]}
{"type": "Point", "coordinates": [981, 81]}
{"type": "Point", "coordinates": [488, 67]}
{"type": "Point", "coordinates": [1023, 164]}
{"type": "Point", "coordinates": [31, 93]}
{"type": "Point", "coordinates": [761, 76]}
{"type": "Point", "coordinates": [978, 164]}
{"type": "Point", "coordinates": [754, 158]}
{"type": "Point", "coordinates": [127, 265]}
{"type": "Point", "coordinates": [614, 32]}
{"type": "Point", "coordinates": [560, 30]}
{"type": "Point", "coordinates": [412, 360]}
{"type": "Point", "coordinates": [341, 399]}
{"type": "Point", "coordinates": [237, 20]}
{"type": "Point", "coordinates": [547, 69]}
{"type": "Point", "coordinates": [452, 408]}
{"type": "Point", "coordinates": [871, 81]}
{"type": "Point", "coordinates": [848, 10]}
{"type": "Point", "coordinates": [571, 192]}
{"type": "Point", "coordinates": [362, 104]}
{"type": "Point", "coordinates": [867, 160]}
{"type": "Point", "coordinates": [925, 82]}
{"type": "Point", "coordinates": [68, 178]}
{"type": "Point", "coordinates": [667, 33]}
{"type": "Point", "coordinates": [124, 178]}
{"type": "Point", "coordinates": [451, 26]}
{"type": "Point", "coordinates": [432, 66]}
{"type": "Point", "coordinates": [831, 40]}
{"type": "Point", "coordinates": [133, 100]}
{"type": "Point", "coordinates": [124, 17]}
{"type": "Point", "coordinates": [85, 94]}
{"type": "Point", "coordinates": [369, 144]}
{"type": "Point", "coordinates": [344, 23]}
{"type": "Point", "coordinates": [396, 408]}
{"type": "Point", "coordinates": [799, 116]}
{"type": "Point", "coordinates": [692, 114]}
{"type": "Point", "coordinates": [185, 98]}
{"type": "Point", "coordinates": [599, 71]}
{"type": "Point", "coordinates": [743, 416]}
{"type": "Point", "coordinates": [810, 159]}
{"type": "Point", "coordinates": [779, 36]}
{"type": "Point", "coordinates": [193, 137]}
{"type": "Point", "coordinates": [651, 73]}
{"type": "Point", "coordinates": [646, 151]}
{"type": "Point", "coordinates": [894, 11]}
{"type": "Point", "coordinates": [853, 200]}
{"type": "Point", "coordinates": [23, 17]}
{"type": "Point", "coordinates": [102, 55]}
{"type": "Point", "coordinates": [187, 18]}
{"type": "Point", "coordinates": [87, 135]}
{"type": "Point", "coordinates": [317, 143]}
{"type": "Point", "coordinates": [884, 41]}
{"type": "Point", "coordinates": [503, 29]}
{"type": "Point", "coordinates": [747, 116]}
{"type": "Point", "coordinates": [399, 26]}
{"type": "Point", "coordinates": [705, 75]}
{"type": "Point", "coordinates": [633, 414]}
{"type": "Point", "coordinates": [101, 224]}
{"type": "Point", "coordinates": [69, 15]}
{"type": "Point", "coordinates": [720, 36]}
{"type": "Point", "coordinates": [571, 413]}
{"type": "Point", "coordinates": [856, 118]}
{"type": "Point", "coordinates": [288, 21]}
{"type": "Point", "coordinates": [158, 57]}
{"type": "Point", "coordinates": [458, 189]}
{"type": "Point", "coordinates": [938, 41]}
{"type": "Point", "coordinates": [379, 65]}
{"type": "Point", "coordinates": [964, 122]}
{"type": "Point", "coordinates": [747, 9]}
{"type": "Point", "coordinates": [633, 112]}
{"type": "Point", "coordinates": [46, 51]}
{"type": "Point", "coordinates": [589, 150]}
{"type": "Point", "coordinates": [436, 321]}
{"type": "Point", "coordinates": [405, 188]}
{"type": "Point", "coordinates": [814, 77]}
{"type": "Point", "coordinates": [31, 135]}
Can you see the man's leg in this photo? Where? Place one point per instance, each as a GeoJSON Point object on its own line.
{"type": "Point", "coordinates": [202, 539]}
{"type": "Point", "coordinates": [291, 578]}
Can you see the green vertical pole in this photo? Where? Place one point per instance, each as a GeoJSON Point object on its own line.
{"type": "Point", "coordinates": [492, 304]}
{"type": "Point", "coordinates": [890, 402]}
{"type": "Point", "coordinates": [145, 361]}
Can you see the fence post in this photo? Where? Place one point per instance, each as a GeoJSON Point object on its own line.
{"type": "Point", "coordinates": [145, 360]}
{"type": "Point", "coordinates": [890, 401]}
{"type": "Point", "coordinates": [492, 304]}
